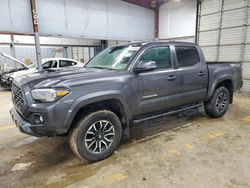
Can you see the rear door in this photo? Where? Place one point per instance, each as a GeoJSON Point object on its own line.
{"type": "Point", "coordinates": [192, 75]}
{"type": "Point", "coordinates": [156, 89]}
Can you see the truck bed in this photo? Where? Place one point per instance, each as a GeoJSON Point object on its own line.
{"type": "Point", "coordinates": [218, 70]}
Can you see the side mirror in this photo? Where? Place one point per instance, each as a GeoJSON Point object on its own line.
{"type": "Point", "coordinates": [144, 66]}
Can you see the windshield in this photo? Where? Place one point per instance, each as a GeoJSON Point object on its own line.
{"type": "Point", "coordinates": [113, 58]}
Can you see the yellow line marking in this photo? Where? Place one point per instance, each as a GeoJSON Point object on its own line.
{"type": "Point", "coordinates": [117, 177]}
{"type": "Point", "coordinates": [189, 146]}
{"type": "Point", "coordinates": [212, 135]}
{"type": "Point", "coordinates": [247, 119]}
{"type": "Point", "coordinates": [6, 127]}
{"type": "Point", "coordinates": [174, 152]}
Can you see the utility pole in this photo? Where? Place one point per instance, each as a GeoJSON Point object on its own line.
{"type": "Point", "coordinates": [36, 34]}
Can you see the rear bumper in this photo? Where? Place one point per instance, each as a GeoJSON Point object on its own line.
{"type": "Point", "coordinates": [30, 129]}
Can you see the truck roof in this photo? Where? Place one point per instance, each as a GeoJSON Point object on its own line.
{"type": "Point", "coordinates": [143, 43]}
{"type": "Point", "coordinates": [173, 42]}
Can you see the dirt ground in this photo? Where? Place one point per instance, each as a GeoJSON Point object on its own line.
{"type": "Point", "coordinates": [193, 151]}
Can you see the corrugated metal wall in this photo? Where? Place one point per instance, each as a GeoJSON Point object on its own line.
{"type": "Point", "coordinates": [82, 54]}
{"type": "Point", "coordinates": [95, 19]}
{"type": "Point", "coordinates": [224, 33]}
{"type": "Point", "coordinates": [180, 39]}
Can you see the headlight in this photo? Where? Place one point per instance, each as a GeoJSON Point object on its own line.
{"type": "Point", "coordinates": [48, 94]}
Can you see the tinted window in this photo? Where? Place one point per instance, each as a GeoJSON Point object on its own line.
{"type": "Point", "coordinates": [47, 65]}
{"type": "Point", "coordinates": [64, 63]}
{"type": "Point", "coordinates": [161, 55]}
{"type": "Point", "coordinates": [187, 56]}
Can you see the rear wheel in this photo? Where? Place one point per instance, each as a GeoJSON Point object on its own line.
{"type": "Point", "coordinates": [218, 104]}
{"type": "Point", "coordinates": [96, 135]}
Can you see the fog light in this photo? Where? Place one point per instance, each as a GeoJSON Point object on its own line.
{"type": "Point", "coordinates": [37, 118]}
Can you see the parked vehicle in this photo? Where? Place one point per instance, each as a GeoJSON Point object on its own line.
{"type": "Point", "coordinates": [120, 87]}
{"type": "Point", "coordinates": [6, 70]}
{"type": "Point", "coordinates": [49, 63]}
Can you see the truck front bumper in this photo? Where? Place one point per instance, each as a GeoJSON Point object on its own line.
{"type": "Point", "coordinates": [31, 129]}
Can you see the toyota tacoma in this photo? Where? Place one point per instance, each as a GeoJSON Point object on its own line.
{"type": "Point", "coordinates": [124, 85]}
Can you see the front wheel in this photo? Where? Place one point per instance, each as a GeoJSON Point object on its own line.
{"type": "Point", "coordinates": [96, 136]}
{"type": "Point", "coordinates": [217, 106]}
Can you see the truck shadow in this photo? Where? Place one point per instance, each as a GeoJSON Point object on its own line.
{"type": "Point", "coordinates": [148, 129]}
{"type": "Point", "coordinates": [56, 150]}
{"type": "Point", "coordinates": [52, 151]}
{"type": "Point", "coordinates": [50, 154]}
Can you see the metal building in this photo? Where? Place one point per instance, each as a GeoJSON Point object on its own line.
{"type": "Point", "coordinates": [223, 32]}
{"type": "Point", "coordinates": [74, 29]}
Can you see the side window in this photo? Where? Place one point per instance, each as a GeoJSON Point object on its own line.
{"type": "Point", "coordinates": [64, 63]}
{"type": "Point", "coordinates": [161, 55]}
{"type": "Point", "coordinates": [187, 56]}
{"type": "Point", "coordinates": [47, 65]}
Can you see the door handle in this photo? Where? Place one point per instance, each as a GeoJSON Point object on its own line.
{"type": "Point", "coordinates": [201, 73]}
{"type": "Point", "coordinates": [171, 78]}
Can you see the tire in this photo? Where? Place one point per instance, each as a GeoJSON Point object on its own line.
{"type": "Point", "coordinates": [217, 106]}
{"type": "Point", "coordinates": [96, 136]}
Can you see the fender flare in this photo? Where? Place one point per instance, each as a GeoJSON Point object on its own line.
{"type": "Point", "coordinates": [93, 98]}
{"type": "Point", "coordinates": [212, 88]}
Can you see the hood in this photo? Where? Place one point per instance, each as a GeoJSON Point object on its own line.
{"type": "Point", "coordinates": [22, 72]}
{"type": "Point", "coordinates": [13, 59]}
{"type": "Point", "coordinates": [10, 72]}
{"type": "Point", "coordinates": [63, 77]}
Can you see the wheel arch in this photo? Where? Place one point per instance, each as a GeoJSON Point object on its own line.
{"type": "Point", "coordinates": [113, 102]}
{"type": "Point", "coordinates": [226, 82]}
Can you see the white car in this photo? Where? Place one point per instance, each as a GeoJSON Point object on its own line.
{"type": "Point", "coordinates": [55, 63]}
{"type": "Point", "coordinates": [48, 63]}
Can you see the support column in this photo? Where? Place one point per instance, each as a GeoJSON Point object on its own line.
{"type": "Point", "coordinates": [65, 52]}
{"type": "Point", "coordinates": [104, 44]}
{"type": "Point", "coordinates": [198, 18]}
{"type": "Point", "coordinates": [220, 28]}
{"type": "Point", "coordinates": [156, 22]}
{"type": "Point", "coordinates": [12, 48]}
{"type": "Point", "coordinates": [36, 34]}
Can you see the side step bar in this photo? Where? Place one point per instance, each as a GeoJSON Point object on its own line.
{"type": "Point", "coordinates": [168, 113]}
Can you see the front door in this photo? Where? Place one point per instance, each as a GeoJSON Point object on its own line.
{"type": "Point", "coordinates": [156, 89]}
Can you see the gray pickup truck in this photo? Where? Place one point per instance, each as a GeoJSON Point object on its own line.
{"type": "Point", "coordinates": [123, 85]}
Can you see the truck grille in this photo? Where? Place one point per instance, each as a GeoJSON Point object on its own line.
{"type": "Point", "coordinates": [17, 97]}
